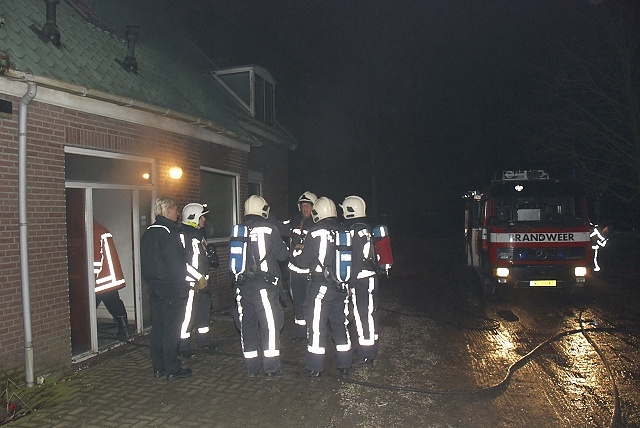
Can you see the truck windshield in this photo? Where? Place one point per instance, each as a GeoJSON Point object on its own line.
{"type": "Point", "coordinates": [543, 202]}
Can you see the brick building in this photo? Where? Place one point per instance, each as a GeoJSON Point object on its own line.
{"type": "Point", "coordinates": [91, 125]}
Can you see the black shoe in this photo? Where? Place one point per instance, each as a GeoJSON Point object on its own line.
{"type": "Point", "coordinates": [179, 374]}
{"type": "Point", "coordinates": [363, 361]}
{"type": "Point", "coordinates": [310, 374]}
{"type": "Point", "coordinates": [344, 373]}
{"type": "Point", "coordinates": [209, 348]}
{"type": "Point", "coordinates": [274, 375]}
{"type": "Point", "coordinates": [123, 327]}
{"type": "Point", "coordinates": [188, 354]}
{"type": "Point", "coordinates": [158, 373]}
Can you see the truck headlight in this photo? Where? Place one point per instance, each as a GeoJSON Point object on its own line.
{"type": "Point", "coordinates": [502, 272]}
{"type": "Point", "coordinates": [580, 271]}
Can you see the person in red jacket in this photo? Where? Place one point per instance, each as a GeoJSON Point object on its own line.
{"type": "Point", "coordinates": [109, 277]}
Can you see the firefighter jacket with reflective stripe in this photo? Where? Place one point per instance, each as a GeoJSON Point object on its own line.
{"type": "Point", "coordinates": [298, 228]}
{"type": "Point", "coordinates": [106, 264]}
{"type": "Point", "coordinates": [196, 259]}
{"type": "Point", "coordinates": [363, 256]}
{"type": "Point", "coordinates": [265, 246]}
{"type": "Point", "coordinates": [318, 250]}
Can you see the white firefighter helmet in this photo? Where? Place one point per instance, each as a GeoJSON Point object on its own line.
{"type": "Point", "coordinates": [256, 205]}
{"type": "Point", "coordinates": [307, 197]}
{"type": "Point", "coordinates": [353, 207]}
{"type": "Point", "coordinates": [191, 214]}
{"type": "Point", "coordinates": [323, 208]}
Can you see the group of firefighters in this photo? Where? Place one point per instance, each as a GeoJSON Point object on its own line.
{"type": "Point", "coordinates": [323, 303]}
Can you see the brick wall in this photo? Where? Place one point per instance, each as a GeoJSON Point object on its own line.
{"type": "Point", "coordinates": [50, 128]}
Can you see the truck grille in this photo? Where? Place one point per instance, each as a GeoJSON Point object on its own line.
{"type": "Point", "coordinates": [551, 253]}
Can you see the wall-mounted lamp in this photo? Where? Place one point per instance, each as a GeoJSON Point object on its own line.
{"type": "Point", "coordinates": [175, 172]}
{"type": "Point", "coordinates": [146, 176]}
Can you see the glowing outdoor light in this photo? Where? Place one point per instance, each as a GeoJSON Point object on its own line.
{"type": "Point", "coordinates": [146, 175]}
{"type": "Point", "coordinates": [175, 172]}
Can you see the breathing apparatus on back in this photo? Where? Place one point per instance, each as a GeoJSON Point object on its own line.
{"type": "Point", "coordinates": [337, 268]}
{"type": "Point", "coordinates": [239, 251]}
{"type": "Point", "coordinates": [354, 207]}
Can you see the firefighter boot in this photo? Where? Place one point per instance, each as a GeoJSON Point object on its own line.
{"type": "Point", "coordinates": [123, 327]}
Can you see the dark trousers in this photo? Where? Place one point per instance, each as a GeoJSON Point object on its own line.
{"type": "Point", "coordinates": [364, 300]}
{"type": "Point", "coordinates": [325, 307]}
{"type": "Point", "coordinates": [201, 314]}
{"type": "Point", "coordinates": [298, 283]}
{"type": "Point", "coordinates": [112, 302]}
{"type": "Point", "coordinates": [166, 316]}
{"type": "Point", "coordinates": [260, 320]}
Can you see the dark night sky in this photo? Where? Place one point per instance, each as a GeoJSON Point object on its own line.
{"type": "Point", "coordinates": [437, 87]}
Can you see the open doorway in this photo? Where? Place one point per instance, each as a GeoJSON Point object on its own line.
{"type": "Point", "coordinates": [110, 193]}
{"type": "Point", "coordinates": [123, 214]}
{"type": "Point", "coordinates": [115, 307]}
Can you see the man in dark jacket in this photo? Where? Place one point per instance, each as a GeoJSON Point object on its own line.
{"type": "Point", "coordinates": [327, 299]}
{"type": "Point", "coordinates": [259, 314]}
{"type": "Point", "coordinates": [163, 266]}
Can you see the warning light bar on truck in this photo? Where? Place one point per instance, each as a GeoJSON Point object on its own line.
{"type": "Point", "coordinates": [527, 174]}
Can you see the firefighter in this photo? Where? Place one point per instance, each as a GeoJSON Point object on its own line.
{"type": "Point", "coordinates": [198, 308]}
{"type": "Point", "coordinates": [109, 277]}
{"type": "Point", "coordinates": [326, 303]}
{"type": "Point", "coordinates": [298, 277]}
{"type": "Point", "coordinates": [259, 314]}
{"type": "Point", "coordinates": [163, 266]}
{"type": "Point", "coordinates": [363, 285]}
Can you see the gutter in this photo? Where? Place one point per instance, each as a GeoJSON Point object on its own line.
{"type": "Point", "coordinates": [128, 102]}
{"type": "Point", "coordinates": [22, 214]}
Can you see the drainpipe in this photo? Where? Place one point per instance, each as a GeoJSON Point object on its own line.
{"type": "Point", "coordinates": [22, 214]}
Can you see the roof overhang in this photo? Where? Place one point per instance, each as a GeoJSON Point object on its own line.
{"type": "Point", "coordinates": [82, 91]}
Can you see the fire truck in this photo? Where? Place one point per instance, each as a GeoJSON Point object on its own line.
{"type": "Point", "coordinates": [527, 230]}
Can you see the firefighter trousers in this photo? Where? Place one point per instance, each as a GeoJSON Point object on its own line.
{"type": "Point", "coordinates": [364, 304]}
{"type": "Point", "coordinates": [325, 307]}
{"type": "Point", "coordinates": [197, 319]}
{"type": "Point", "coordinates": [260, 318]}
{"type": "Point", "coordinates": [298, 284]}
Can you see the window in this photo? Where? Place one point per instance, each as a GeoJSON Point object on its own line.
{"type": "Point", "coordinates": [219, 190]}
{"type": "Point", "coordinates": [269, 104]}
{"type": "Point", "coordinates": [83, 165]}
{"type": "Point", "coordinates": [255, 183]}
{"type": "Point", "coordinates": [259, 99]}
{"type": "Point", "coordinates": [254, 88]}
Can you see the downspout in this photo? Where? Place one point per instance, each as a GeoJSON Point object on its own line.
{"type": "Point", "coordinates": [22, 214]}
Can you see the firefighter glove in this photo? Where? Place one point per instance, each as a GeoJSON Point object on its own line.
{"type": "Point", "coordinates": [202, 283]}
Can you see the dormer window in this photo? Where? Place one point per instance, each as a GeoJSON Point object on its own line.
{"type": "Point", "coordinates": [253, 87]}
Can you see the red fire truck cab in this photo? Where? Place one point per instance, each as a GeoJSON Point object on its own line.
{"type": "Point", "coordinates": [527, 230]}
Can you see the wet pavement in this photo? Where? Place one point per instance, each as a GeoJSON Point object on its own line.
{"type": "Point", "coordinates": [448, 358]}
